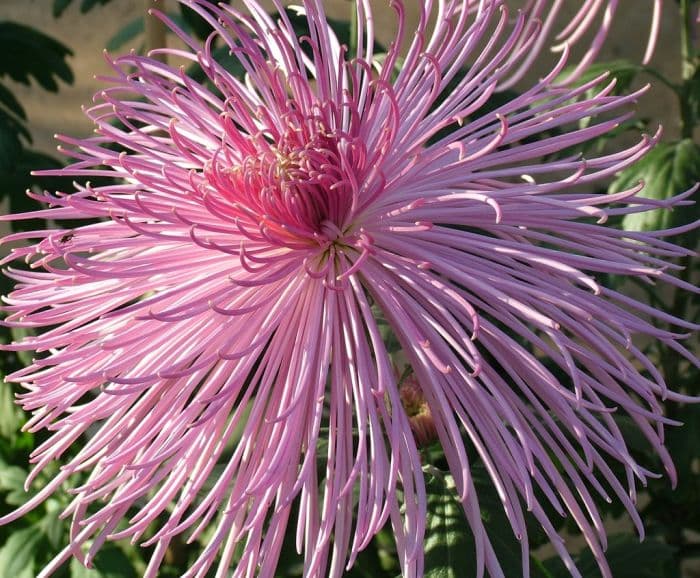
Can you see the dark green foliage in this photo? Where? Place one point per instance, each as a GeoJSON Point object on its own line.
{"type": "Point", "coordinates": [197, 25]}
{"type": "Point", "coordinates": [626, 555]}
{"type": "Point", "coordinates": [29, 54]}
{"type": "Point", "coordinates": [110, 562]}
{"type": "Point", "coordinates": [222, 55]}
{"type": "Point", "coordinates": [60, 6]}
{"type": "Point", "coordinates": [693, 95]}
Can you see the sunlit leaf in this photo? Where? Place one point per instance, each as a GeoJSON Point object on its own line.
{"type": "Point", "coordinates": [17, 556]}
{"type": "Point", "coordinates": [449, 549]}
{"type": "Point", "coordinates": [11, 477]}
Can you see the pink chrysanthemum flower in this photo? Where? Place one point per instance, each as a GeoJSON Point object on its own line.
{"type": "Point", "coordinates": [227, 300]}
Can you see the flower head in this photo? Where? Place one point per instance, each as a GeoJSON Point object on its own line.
{"type": "Point", "coordinates": [224, 309]}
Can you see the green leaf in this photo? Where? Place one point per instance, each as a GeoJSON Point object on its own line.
{"type": "Point", "coordinates": [692, 92]}
{"type": "Point", "coordinates": [17, 556]}
{"type": "Point", "coordinates": [16, 498]}
{"type": "Point", "coordinates": [626, 555]}
{"type": "Point", "coordinates": [11, 418]}
{"type": "Point", "coordinates": [678, 508]}
{"type": "Point", "coordinates": [11, 103]}
{"type": "Point", "coordinates": [197, 25]}
{"type": "Point", "coordinates": [54, 527]}
{"type": "Point", "coordinates": [341, 28]}
{"type": "Point", "coordinates": [222, 55]}
{"type": "Point", "coordinates": [126, 33]}
{"type": "Point", "coordinates": [449, 541]}
{"type": "Point", "coordinates": [669, 169]}
{"type": "Point", "coordinates": [28, 53]}
{"type": "Point", "coordinates": [88, 5]}
{"type": "Point", "coordinates": [18, 334]}
{"type": "Point", "coordinates": [13, 124]}
{"type": "Point", "coordinates": [449, 545]}
{"type": "Point", "coordinates": [110, 562]}
{"type": "Point", "coordinates": [18, 179]}
{"type": "Point", "coordinates": [11, 477]}
{"type": "Point", "coordinates": [59, 7]}
{"type": "Point", "coordinates": [10, 148]}
{"type": "Point", "coordinates": [622, 71]}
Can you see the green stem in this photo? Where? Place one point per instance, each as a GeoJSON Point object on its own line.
{"type": "Point", "coordinates": [661, 78]}
{"type": "Point", "coordinates": [155, 29]}
{"type": "Point", "coordinates": [687, 59]}
{"type": "Point", "coordinates": [688, 67]}
{"type": "Point", "coordinates": [353, 29]}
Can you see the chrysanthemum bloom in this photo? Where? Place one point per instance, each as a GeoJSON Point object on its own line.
{"type": "Point", "coordinates": [227, 301]}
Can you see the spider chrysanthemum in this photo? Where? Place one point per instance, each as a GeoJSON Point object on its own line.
{"type": "Point", "coordinates": [218, 315]}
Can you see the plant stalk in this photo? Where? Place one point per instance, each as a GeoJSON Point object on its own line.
{"type": "Point", "coordinates": [689, 64]}
{"type": "Point", "coordinates": [155, 30]}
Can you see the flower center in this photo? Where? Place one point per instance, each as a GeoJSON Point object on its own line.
{"type": "Point", "coordinates": [297, 182]}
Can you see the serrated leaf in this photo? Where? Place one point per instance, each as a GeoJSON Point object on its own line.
{"type": "Point", "coordinates": [11, 103]}
{"type": "Point", "coordinates": [126, 33]}
{"type": "Point", "coordinates": [18, 179]}
{"type": "Point", "coordinates": [17, 556]}
{"type": "Point", "coordinates": [88, 5]}
{"type": "Point", "coordinates": [28, 53]}
{"type": "Point", "coordinates": [110, 562]}
{"type": "Point", "coordinates": [10, 148]}
{"type": "Point", "coordinates": [669, 169]}
{"type": "Point", "coordinates": [11, 123]}
{"type": "Point", "coordinates": [59, 7]}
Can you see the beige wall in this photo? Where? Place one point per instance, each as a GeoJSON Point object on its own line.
{"type": "Point", "coordinates": [87, 34]}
